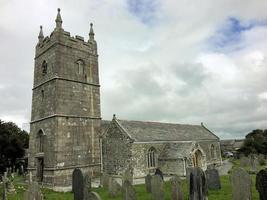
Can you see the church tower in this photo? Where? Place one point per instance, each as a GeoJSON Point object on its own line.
{"type": "Point", "coordinates": [66, 117]}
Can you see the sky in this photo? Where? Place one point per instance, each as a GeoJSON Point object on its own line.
{"type": "Point", "coordinates": [180, 61]}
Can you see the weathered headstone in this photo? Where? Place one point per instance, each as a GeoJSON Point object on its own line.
{"type": "Point", "coordinates": [241, 185]}
{"type": "Point", "coordinates": [105, 180]}
{"type": "Point", "coordinates": [94, 196]}
{"type": "Point", "coordinates": [261, 184]}
{"type": "Point", "coordinates": [128, 191]}
{"type": "Point", "coordinates": [244, 161]}
{"type": "Point", "coordinates": [148, 183]}
{"type": "Point", "coordinates": [176, 188]}
{"type": "Point", "coordinates": [198, 189]}
{"type": "Point", "coordinates": [33, 192]}
{"type": "Point", "coordinates": [87, 186]}
{"type": "Point", "coordinates": [157, 188]}
{"type": "Point", "coordinates": [213, 179]}
{"type": "Point", "coordinates": [4, 195]}
{"type": "Point", "coordinates": [253, 163]}
{"type": "Point", "coordinates": [113, 187]}
{"type": "Point", "coordinates": [128, 175]}
{"type": "Point", "coordinates": [77, 184]}
{"type": "Point", "coordinates": [30, 177]}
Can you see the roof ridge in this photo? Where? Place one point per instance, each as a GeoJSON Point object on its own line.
{"type": "Point", "coordinates": [157, 122]}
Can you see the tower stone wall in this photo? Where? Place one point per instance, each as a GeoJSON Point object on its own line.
{"type": "Point", "coordinates": [66, 117]}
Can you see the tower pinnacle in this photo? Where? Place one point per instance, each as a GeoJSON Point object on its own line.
{"type": "Point", "coordinates": [41, 35]}
{"type": "Point", "coordinates": [91, 33]}
{"type": "Point", "coordinates": [58, 20]}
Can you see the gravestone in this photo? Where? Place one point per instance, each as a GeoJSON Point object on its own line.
{"type": "Point", "coordinates": [87, 187]}
{"type": "Point", "coordinates": [113, 187]}
{"type": "Point", "coordinates": [105, 180]}
{"type": "Point", "coordinates": [148, 183]}
{"type": "Point", "coordinates": [261, 184]}
{"type": "Point", "coordinates": [128, 175]}
{"type": "Point", "coordinates": [4, 195]}
{"type": "Point", "coordinates": [253, 163]}
{"type": "Point", "coordinates": [198, 189]}
{"type": "Point", "coordinates": [33, 192]}
{"type": "Point", "coordinates": [128, 191]}
{"type": "Point", "coordinates": [30, 177]}
{"type": "Point", "coordinates": [77, 184]}
{"type": "Point", "coordinates": [176, 188]}
{"type": "Point", "coordinates": [157, 188]}
{"type": "Point", "coordinates": [213, 179]}
{"type": "Point", "coordinates": [241, 185]}
{"type": "Point", "coordinates": [244, 161]}
{"type": "Point", "coordinates": [94, 196]}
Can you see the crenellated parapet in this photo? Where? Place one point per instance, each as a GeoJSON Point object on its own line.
{"type": "Point", "coordinates": [62, 37]}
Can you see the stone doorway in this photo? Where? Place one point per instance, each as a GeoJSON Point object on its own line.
{"type": "Point", "coordinates": [40, 169]}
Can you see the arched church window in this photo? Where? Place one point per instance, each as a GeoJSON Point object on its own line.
{"type": "Point", "coordinates": [212, 151]}
{"type": "Point", "coordinates": [151, 157]}
{"type": "Point", "coordinates": [80, 66]}
{"type": "Point", "coordinates": [40, 141]}
{"type": "Point", "coordinates": [44, 67]}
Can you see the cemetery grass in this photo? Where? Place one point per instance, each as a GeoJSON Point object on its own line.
{"type": "Point", "coordinates": [224, 194]}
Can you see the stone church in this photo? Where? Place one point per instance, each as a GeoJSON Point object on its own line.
{"type": "Point", "coordinates": [67, 132]}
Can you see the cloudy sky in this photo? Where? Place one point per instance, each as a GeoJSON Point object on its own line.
{"type": "Point", "coordinates": [177, 61]}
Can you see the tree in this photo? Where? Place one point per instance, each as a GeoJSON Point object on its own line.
{"type": "Point", "coordinates": [13, 142]}
{"type": "Point", "coordinates": [255, 142]}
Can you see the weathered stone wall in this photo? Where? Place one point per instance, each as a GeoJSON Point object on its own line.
{"type": "Point", "coordinates": [116, 151]}
{"type": "Point", "coordinates": [66, 107]}
{"type": "Point", "coordinates": [206, 146]}
{"type": "Point", "coordinates": [172, 166]}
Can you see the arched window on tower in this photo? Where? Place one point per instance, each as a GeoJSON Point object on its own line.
{"type": "Point", "coordinates": [40, 141]}
{"type": "Point", "coordinates": [80, 66]}
{"type": "Point", "coordinates": [44, 67]}
{"type": "Point", "coordinates": [212, 151]}
{"type": "Point", "coordinates": [151, 158]}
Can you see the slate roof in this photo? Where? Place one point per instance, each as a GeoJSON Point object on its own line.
{"type": "Point", "coordinates": [141, 131]}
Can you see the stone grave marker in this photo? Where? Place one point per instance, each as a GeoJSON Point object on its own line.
{"type": "Point", "coordinates": [105, 180]}
{"type": "Point", "coordinates": [128, 175]}
{"type": "Point", "coordinates": [244, 161]}
{"type": "Point", "coordinates": [253, 163]}
{"type": "Point", "coordinates": [261, 184]}
{"type": "Point", "coordinates": [33, 192]}
{"type": "Point", "coordinates": [87, 186]}
{"type": "Point", "coordinates": [213, 179]}
{"type": "Point", "coordinates": [113, 187]}
{"type": "Point", "coordinates": [77, 184]}
{"type": "Point", "coordinates": [176, 188]}
{"type": "Point", "coordinates": [128, 191]}
{"type": "Point", "coordinates": [198, 189]}
{"type": "Point", "coordinates": [241, 185]}
{"type": "Point", "coordinates": [94, 196]}
{"type": "Point", "coordinates": [4, 195]}
{"type": "Point", "coordinates": [148, 183]}
{"type": "Point", "coordinates": [157, 188]}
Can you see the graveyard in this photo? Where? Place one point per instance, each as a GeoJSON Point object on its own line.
{"type": "Point", "coordinates": [140, 191]}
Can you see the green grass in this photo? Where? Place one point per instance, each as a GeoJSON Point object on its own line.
{"type": "Point", "coordinates": [224, 194]}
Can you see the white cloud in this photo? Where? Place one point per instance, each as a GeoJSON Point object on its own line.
{"type": "Point", "coordinates": [159, 66]}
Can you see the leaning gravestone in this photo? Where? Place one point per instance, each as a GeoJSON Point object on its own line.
{"type": "Point", "coordinates": [157, 188]}
{"type": "Point", "coordinates": [113, 187]}
{"type": "Point", "coordinates": [77, 184]}
{"type": "Point", "coordinates": [198, 189]}
{"type": "Point", "coordinates": [176, 188]}
{"type": "Point", "coordinates": [33, 192]}
{"type": "Point", "coordinates": [105, 180]}
{"type": "Point", "coordinates": [261, 184]}
{"type": "Point", "coordinates": [241, 185]}
{"type": "Point", "coordinates": [128, 191]}
{"type": "Point", "coordinates": [148, 183]}
{"type": "Point", "coordinates": [94, 196]}
{"type": "Point", "coordinates": [213, 179]}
